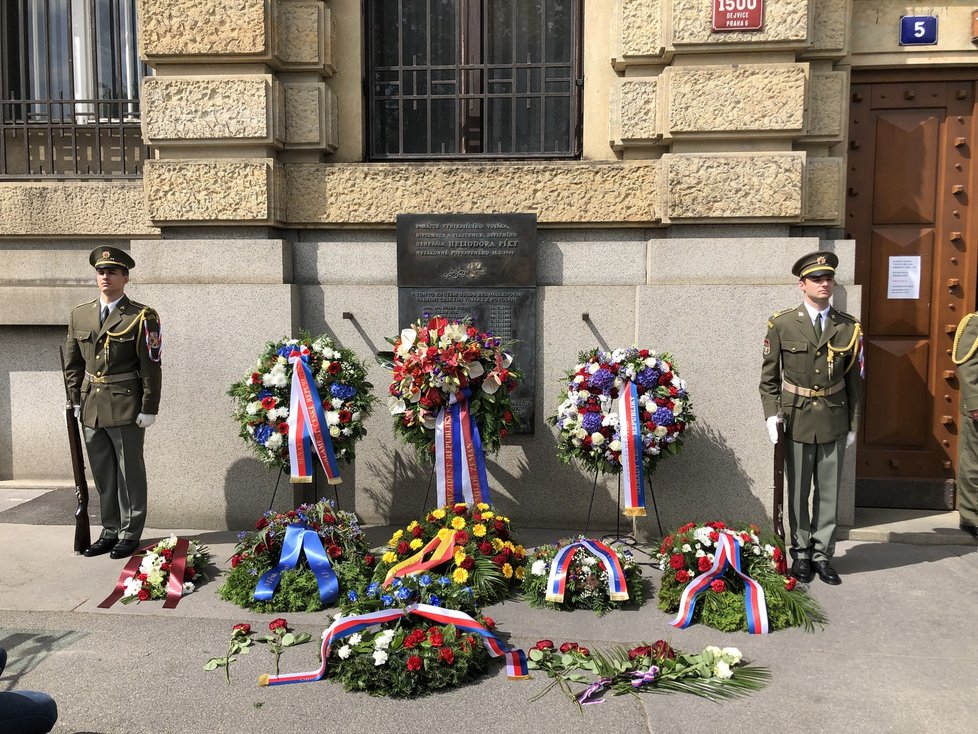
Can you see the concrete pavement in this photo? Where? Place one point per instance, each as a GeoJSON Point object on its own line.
{"type": "Point", "coordinates": [898, 654]}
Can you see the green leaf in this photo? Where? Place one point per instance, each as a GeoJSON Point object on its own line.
{"type": "Point", "coordinates": [536, 655]}
{"type": "Point", "coordinates": [288, 639]}
{"type": "Point", "coordinates": [212, 664]}
{"type": "Point", "coordinates": [385, 359]}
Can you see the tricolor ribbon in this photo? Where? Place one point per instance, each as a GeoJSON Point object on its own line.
{"type": "Point", "coordinates": [346, 626]}
{"type": "Point", "coordinates": [460, 464]}
{"type": "Point", "coordinates": [557, 583]}
{"type": "Point", "coordinates": [590, 694]}
{"type": "Point", "coordinates": [307, 424]}
{"type": "Point", "coordinates": [299, 538]}
{"type": "Point", "coordinates": [441, 547]}
{"type": "Point", "coordinates": [174, 583]}
{"type": "Point", "coordinates": [632, 456]}
{"type": "Point", "coordinates": [727, 554]}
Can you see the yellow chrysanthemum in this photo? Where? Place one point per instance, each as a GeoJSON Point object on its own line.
{"type": "Point", "coordinates": [395, 538]}
{"type": "Point", "coordinates": [459, 556]}
{"type": "Point", "coordinates": [509, 544]}
{"type": "Point", "coordinates": [479, 530]}
{"type": "Point", "coordinates": [460, 576]}
{"type": "Point", "coordinates": [413, 525]}
{"type": "Point", "coordinates": [462, 504]}
{"type": "Point", "coordinates": [389, 557]}
{"type": "Point", "coordinates": [519, 551]}
{"type": "Point", "coordinates": [488, 515]}
{"type": "Point", "coordinates": [438, 514]}
{"type": "Point", "coordinates": [458, 523]}
{"type": "Point", "coordinates": [416, 543]}
{"type": "Point", "coordinates": [497, 544]}
{"type": "Point", "coordinates": [507, 571]}
{"type": "Point", "coordinates": [482, 506]}
{"type": "Point", "coordinates": [520, 572]}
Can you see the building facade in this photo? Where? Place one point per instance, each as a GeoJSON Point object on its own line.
{"type": "Point", "coordinates": [253, 155]}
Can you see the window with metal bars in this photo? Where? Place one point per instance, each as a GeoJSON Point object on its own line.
{"type": "Point", "coordinates": [69, 90]}
{"type": "Point", "coordinates": [473, 79]}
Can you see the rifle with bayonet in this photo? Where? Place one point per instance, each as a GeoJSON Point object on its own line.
{"type": "Point", "coordinates": [779, 483]}
{"type": "Point", "coordinates": [83, 535]}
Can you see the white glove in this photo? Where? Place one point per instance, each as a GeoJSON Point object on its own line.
{"type": "Point", "coordinates": [77, 411]}
{"type": "Point", "coordinates": [850, 438]}
{"type": "Point", "coordinates": [145, 421]}
{"type": "Point", "coordinates": [772, 428]}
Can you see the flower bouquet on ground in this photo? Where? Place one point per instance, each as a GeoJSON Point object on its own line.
{"type": "Point", "coordinates": [714, 674]}
{"type": "Point", "coordinates": [588, 582]}
{"type": "Point", "coordinates": [589, 424]}
{"type": "Point", "coordinates": [259, 551]}
{"type": "Point", "coordinates": [691, 551]}
{"type": "Point", "coordinates": [262, 399]}
{"type": "Point", "coordinates": [150, 581]}
{"type": "Point", "coordinates": [476, 544]}
{"type": "Point", "coordinates": [440, 362]}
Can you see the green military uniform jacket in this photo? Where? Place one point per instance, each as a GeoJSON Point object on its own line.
{"type": "Point", "coordinates": [794, 357]}
{"type": "Point", "coordinates": [968, 369]}
{"type": "Point", "coordinates": [110, 369]}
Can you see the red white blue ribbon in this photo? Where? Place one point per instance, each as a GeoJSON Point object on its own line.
{"type": "Point", "coordinates": [460, 464]}
{"type": "Point", "coordinates": [515, 659]}
{"type": "Point", "coordinates": [557, 582]}
{"type": "Point", "coordinates": [307, 424]}
{"type": "Point", "coordinates": [632, 457]}
{"type": "Point", "coordinates": [727, 554]}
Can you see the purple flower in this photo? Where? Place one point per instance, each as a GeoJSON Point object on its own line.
{"type": "Point", "coordinates": [343, 392]}
{"type": "Point", "coordinates": [663, 417]}
{"type": "Point", "coordinates": [603, 379]}
{"type": "Point", "coordinates": [591, 422]}
{"type": "Point", "coordinates": [648, 377]}
{"type": "Point", "coordinates": [263, 433]}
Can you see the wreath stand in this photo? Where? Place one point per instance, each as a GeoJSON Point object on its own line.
{"type": "Point", "coordinates": [627, 539]}
{"type": "Point", "coordinates": [315, 487]}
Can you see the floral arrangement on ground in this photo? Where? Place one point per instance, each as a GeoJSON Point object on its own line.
{"type": "Point", "coordinates": [587, 584]}
{"type": "Point", "coordinates": [485, 557]}
{"type": "Point", "coordinates": [262, 399]}
{"type": "Point", "coordinates": [409, 657]}
{"type": "Point", "coordinates": [437, 360]}
{"type": "Point", "coordinates": [589, 424]}
{"type": "Point", "coordinates": [259, 550]}
{"type": "Point", "coordinates": [150, 581]}
{"type": "Point", "coordinates": [714, 673]}
{"type": "Point", "coordinates": [690, 551]}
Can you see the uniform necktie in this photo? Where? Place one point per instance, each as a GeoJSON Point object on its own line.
{"type": "Point", "coordinates": [818, 326]}
{"type": "Point", "coordinates": [103, 314]}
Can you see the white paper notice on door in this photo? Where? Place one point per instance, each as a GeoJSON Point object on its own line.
{"type": "Point", "coordinates": [904, 279]}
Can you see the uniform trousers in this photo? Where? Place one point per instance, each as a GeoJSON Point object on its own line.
{"type": "Point", "coordinates": [968, 472]}
{"type": "Point", "coordinates": [115, 456]}
{"type": "Point", "coordinates": [818, 467]}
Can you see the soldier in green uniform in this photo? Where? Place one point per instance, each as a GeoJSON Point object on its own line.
{"type": "Point", "coordinates": [114, 374]}
{"type": "Point", "coordinates": [964, 356]}
{"type": "Point", "coordinates": [810, 381]}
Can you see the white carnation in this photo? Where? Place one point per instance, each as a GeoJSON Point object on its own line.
{"type": "Point", "coordinates": [344, 652]}
{"type": "Point", "coordinates": [539, 567]}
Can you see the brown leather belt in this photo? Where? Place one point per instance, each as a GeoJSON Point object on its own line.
{"type": "Point", "coordinates": [806, 392]}
{"type": "Point", "coordinates": [105, 379]}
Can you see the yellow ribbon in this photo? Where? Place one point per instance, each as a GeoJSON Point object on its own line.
{"type": "Point", "coordinates": [443, 546]}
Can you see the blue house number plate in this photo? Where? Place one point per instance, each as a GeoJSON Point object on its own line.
{"type": "Point", "coordinates": [918, 30]}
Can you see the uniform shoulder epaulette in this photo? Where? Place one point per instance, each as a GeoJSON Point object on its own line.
{"type": "Point", "coordinates": [84, 303]}
{"type": "Point", "coordinates": [150, 311]}
{"type": "Point", "coordinates": [847, 316]}
{"type": "Point", "coordinates": [772, 317]}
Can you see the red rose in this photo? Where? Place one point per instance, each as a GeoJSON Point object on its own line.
{"type": "Point", "coordinates": [639, 652]}
{"type": "Point", "coordinates": [435, 637]}
{"type": "Point", "coordinates": [446, 655]}
{"type": "Point", "coordinates": [277, 624]}
{"type": "Point", "coordinates": [719, 586]}
{"type": "Point", "coordinates": [714, 536]}
{"type": "Point", "coordinates": [417, 531]}
{"type": "Point", "coordinates": [414, 663]}
{"type": "Point", "coordinates": [402, 548]}
{"type": "Point", "coordinates": [369, 559]}
{"type": "Point", "coordinates": [703, 564]}
{"type": "Point", "coordinates": [568, 647]}
{"type": "Point", "coordinates": [141, 577]}
{"type": "Point", "coordinates": [283, 428]}
{"type": "Point", "coordinates": [584, 651]}
{"type": "Point", "coordinates": [242, 628]}
{"type": "Point", "coordinates": [682, 577]}
{"type": "Point", "coordinates": [544, 645]}
{"type": "Point", "coordinates": [235, 560]}
{"type": "Point", "coordinates": [334, 368]}
{"type": "Point", "coordinates": [499, 559]}
{"type": "Point", "coordinates": [677, 561]}
{"type": "Point", "coordinates": [477, 516]}
{"type": "Point", "coordinates": [328, 519]}
{"type": "Point", "coordinates": [461, 537]}
{"type": "Point", "coordinates": [189, 572]}
{"type": "Point", "coordinates": [790, 583]}
{"type": "Point", "coordinates": [507, 416]}
{"type": "Point", "coordinates": [661, 650]}
{"type": "Point", "coordinates": [485, 548]}
{"type": "Point", "coordinates": [167, 553]}
{"type": "Point", "coordinates": [467, 563]}
{"type": "Point", "coordinates": [255, 378]}
{"type": "Point", "coordinates": [489, 623]}
{"type": "Point", "coordinates": [334, 551]}
{"type": "Point", "coordinates": [165, 566]}
{"type": "Point", "coordinates": [460, 509]}
{"type": "Point", "coordinates": [643, 353]}
{"type": "Point", "coordinates": [143, 595]}
{"type": "Point", "coordinates": [262, 522]}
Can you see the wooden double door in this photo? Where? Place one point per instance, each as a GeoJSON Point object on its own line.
{"type": "Point", "coordinates": [909, 188]}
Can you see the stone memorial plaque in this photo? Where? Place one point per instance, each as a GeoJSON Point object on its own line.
{"type": "Point", "coordinates": [466, 250]}
{"type": "Point", "coordinates": [508, 313]}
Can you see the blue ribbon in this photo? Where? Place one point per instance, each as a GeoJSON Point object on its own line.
{"type": "Point", "coordinates": [298, 538]}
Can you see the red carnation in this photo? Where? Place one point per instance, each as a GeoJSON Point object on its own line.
{"type": "Point", "coordinates": [544, 645]}
{"type": "Point", "coordinates": [345, 416]}
{"type": "Point", "coordinates": [402, 548]}
{"type": "Point", "coordinates": [143, 595]}
{"type": "Point", "coordinates": [461, 537]}
{"type": "Point", "coordinates": [677, 561]}
{"type": "Point", "coordinates": [719, 586]}
{"type": "Point", "coordinates": [682, 577]}
{"type": "Point", "coordinates": [435, 637]}
{"type": "Point", "coordinates": [703, 564]}
{"type": "Point", "coordinates": [369, 559]}
{"type": "Point", "coordinates": [235, 560]}
{"type": "Point", "coordinates": [283, 428]}
{"type": "Point", "coordinates": [414, 663]}
{"type": "Point", "coordinates": [278, 624]}
{"type": "Point", "coordinates": [489, 623]}
{"type": "Point", "coordinates": [446, 655]}
{"type": "Point", "coordinates": [334, 368]}
{"type": "Point", "coordinates": [334, 551]}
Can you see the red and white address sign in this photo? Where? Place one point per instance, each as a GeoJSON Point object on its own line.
{"type": "Point", "coordinates": [738, 15]}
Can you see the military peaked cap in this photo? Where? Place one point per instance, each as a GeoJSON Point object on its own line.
{"type": "Point", "coordinates": [103, 257]}
{"type": "Point", "coordinates": [815, 264]}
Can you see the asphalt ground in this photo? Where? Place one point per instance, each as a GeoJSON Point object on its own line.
{"type": "Point", "coordinates": [898, 654]}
